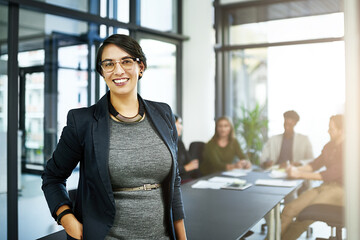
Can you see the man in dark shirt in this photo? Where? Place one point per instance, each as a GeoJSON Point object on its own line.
{"type": "Point", "coordinates": [330, 192]}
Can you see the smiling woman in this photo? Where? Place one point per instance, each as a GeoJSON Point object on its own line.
{"type": "Point", "coordinates": [126, 147]}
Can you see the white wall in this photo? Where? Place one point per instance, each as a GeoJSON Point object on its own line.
{"type": "Point", "coordinates": [198, 71]}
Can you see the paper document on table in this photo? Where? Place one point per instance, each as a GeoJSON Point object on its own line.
{"type": "Point", "coordinates": [277, 182]}
{"type": "Point", "coordinates": [236, 173]}
{"type": "Point", "coordinates": [278, 173]}
{"type": "Point", "coordinates": [203, 184]}
{"type": "Point", "coordinates": [226, 180]}
{"type": "Point", "coordinates": [217, 182]}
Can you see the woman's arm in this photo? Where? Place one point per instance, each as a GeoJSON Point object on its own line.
{"type": "Point", "coordinates": [66, 156]}
{"type": "Point", "coordinates": [180, 229]}
{"type": "Point", "coordinates": [192, 165]}
{"type": "Point", "coordinates": [71, 225]}
{"type": "Point", "coordinates": [243, 163]}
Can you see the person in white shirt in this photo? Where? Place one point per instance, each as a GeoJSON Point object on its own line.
{"type": "Point", "coordinates": [288, 147]}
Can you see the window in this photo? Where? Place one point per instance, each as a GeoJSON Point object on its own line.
{"type": "Point", "coordinates": [302, 28]}
{"type": "Point", "coordinates": [159, 14]}
{"type": "Point", "coordinates": [57, 43]}
{"type": "Point", "coordinates": [282, 56]}
{"type": "Point", "coordinates": [159, 81]}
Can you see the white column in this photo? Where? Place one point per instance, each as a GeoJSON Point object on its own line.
{"type": "Point", "coordinates": [352, 120]}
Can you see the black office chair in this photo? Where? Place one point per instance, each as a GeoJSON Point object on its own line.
{"type": "Point", "coordinates": [332, 215]}
{"type": "Point", "coordinates": [195, 151]}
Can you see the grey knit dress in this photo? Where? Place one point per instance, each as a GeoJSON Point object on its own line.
{"type": "Point", "coordinates": [137, 156]}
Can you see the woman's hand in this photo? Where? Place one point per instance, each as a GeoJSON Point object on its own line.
{"type": "Point", "coordinates": [72, 226]}
{"type": "Point", "coordinates": [194, 164]}
{"type": "Point", "coordinates": [245, 164]}
{"type": "Point", "coordinates": [69, 222]}
{"type": "Point", "coordinates": [293, 172]}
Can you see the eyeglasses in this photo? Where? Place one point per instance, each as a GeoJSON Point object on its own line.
{"type": "Point", "coordinates": [126, 63]}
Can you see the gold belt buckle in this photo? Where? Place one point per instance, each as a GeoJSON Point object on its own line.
{"type": "Point", "coordinates": [147, 187]}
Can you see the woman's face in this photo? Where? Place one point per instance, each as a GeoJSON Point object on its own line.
{"type": "Point", "coordinates": [179, 126]}
{"type": "Point", "coordinates": [120, 81]}
{"type": "Point", "coordinates": [223, 128]}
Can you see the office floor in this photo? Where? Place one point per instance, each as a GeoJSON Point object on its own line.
{"type": "Point", "coordinates": [35, 220]}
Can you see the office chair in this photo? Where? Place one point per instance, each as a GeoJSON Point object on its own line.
{"type": "Point", "coordinates": [195, 151]}
{"type": "Point", "coordinates": [332, 215]}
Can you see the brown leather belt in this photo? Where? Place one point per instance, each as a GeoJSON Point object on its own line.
{"type": "Point", "coordinates": [145, 187]}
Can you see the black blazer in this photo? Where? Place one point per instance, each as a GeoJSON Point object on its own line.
{"type": "Point", "coordinates": [85, 139]}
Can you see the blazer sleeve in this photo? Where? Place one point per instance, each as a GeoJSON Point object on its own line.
{"type": "Point", "coordinates": [182, 157]}
{"type": "Point", "coordinates": [66, 156]}
{"type": "Point", "coordinates": [178, 206]}
{"type": "Point", "coordinates": [177, 202]}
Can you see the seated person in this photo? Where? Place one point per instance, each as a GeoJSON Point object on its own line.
{"type": "Point", "coordinates": [329, 192]}
{"type": "Point", "coordinates": [288, 146]}
{"type": "Point", "coordinates": [220, 152]}
{"type": "Point", "coordinates": [187, 166]}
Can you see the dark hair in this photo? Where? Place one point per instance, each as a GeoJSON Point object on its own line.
{"type": "Point", "coordinates": [232, 131]}
{"type": "Point", "coordinates": [338, 121]}
{"type": "Point", "coordinates": [292, 114]}
{"type": "Point", "coordinates": [176, 117]}
{"type": "Point", "coordinates": [126, 43]}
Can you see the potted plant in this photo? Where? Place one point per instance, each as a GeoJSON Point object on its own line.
{"type": "Point", "coordinates": [251, 129]}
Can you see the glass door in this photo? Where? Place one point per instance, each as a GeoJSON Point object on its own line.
{"type": "Point", "coordinates": [32, 117]}
{"type": "Point", "coordinates": [53, 80]}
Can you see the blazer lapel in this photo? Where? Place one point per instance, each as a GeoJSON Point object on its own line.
{"type": "Point", "coordinates": [163, 127]}
{"type": "Point", "coordinates": [101, 143]}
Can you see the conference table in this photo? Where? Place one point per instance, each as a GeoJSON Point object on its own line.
{"type": "Point", "coordinates": [227, 214]}
{"type": "Point", "coordinates": [230, 214]}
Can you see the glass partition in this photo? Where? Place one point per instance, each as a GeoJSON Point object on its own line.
{"type": "Point", "coordinates": [123, 10]}
{"type": "Point", "coordinates": [34, 120]}
{"type": "Point", "coordinates": [159, 81]}
{"type": "Point", "coordinates": [248, 78]}
{"type": "Point", "coordinates": [295, 29]}
{"type": "Point", "coordinates": [159, 14]}
{"type": "Point", "coordinates": [56, 73]}
{"type": "Point", "coordinates": [54, 78]}
{"type": "Point", "coordinates": [273, 78]}
{"type": "Point", "coordinates": [3, 119]}
{"type": "Point", "coordinates": [72, 72]}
